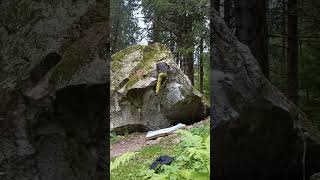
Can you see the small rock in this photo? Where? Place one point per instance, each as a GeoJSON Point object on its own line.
{"type": "Point", "coordinates": [152, 142]}
{"type": "Point", "coordinates": [315, 176]}
{"type": "Point", "coordinates": [176, 140]}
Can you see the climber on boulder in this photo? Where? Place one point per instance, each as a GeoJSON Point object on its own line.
{"type": "Point", "coordinates": [162, 69]}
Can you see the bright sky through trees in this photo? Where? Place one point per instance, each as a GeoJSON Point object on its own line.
{"type": "Point", "coordinates": [142, 25]}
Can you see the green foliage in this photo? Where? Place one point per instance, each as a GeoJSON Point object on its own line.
{"type": "Point", "coordinates": [183, 167]}
{"type": "Point", "coordinates": [125, 30]}
{"type": "Point", "coordinates": [117, 138]}
{"type": "Point", "coordinates": [312, 109]}
{"type": "Point", "coordinates": [142, 160]}
{"type": "Point", "coordinates": [192, 160]}
{"type": "Point", "coordinates": [206, 78]}
{"type": "Point", "coordinates": [121, 159]}
{"type": "Point", "coordinates": [308, 55]}
{"type": "Point", "coordinates": [178, 24]}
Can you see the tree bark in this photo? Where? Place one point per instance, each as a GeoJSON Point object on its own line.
{"type": "Point", "coordinates": [217, 5]}
{"type": "Point", "coordinates": [155, 29]}
{"type": "Point", "coordinates": [227, 5]}
{"type": "Point", "coordinates": [201, 65]}
{"type": "Point", "coordinates": [179, 43]}
{"type": "Point", "coordinates": [284, 42]}
{"type": "Point", "coordinates": [188, 47]}
{"type": "Point", "coordinates": [116, 29]}
{"type": "Point", "coordinates": [292, 51]}
{"type": "Point", "coordinates": [252, 29]}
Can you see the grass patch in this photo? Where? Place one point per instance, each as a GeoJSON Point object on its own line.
{"type": "Point", "coordinates": [132, 169]}
{"type": "Point", "coordinates": [116, 139]}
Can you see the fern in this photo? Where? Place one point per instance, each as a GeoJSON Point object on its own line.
{"type": "Point", "coordinates": [121, 159]}
{"type": "Point", "coordinates": [192, 161]}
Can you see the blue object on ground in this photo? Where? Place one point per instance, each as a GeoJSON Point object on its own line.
{"type": "Point", "coordinates": [161, 160]}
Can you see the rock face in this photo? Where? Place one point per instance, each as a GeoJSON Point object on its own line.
{"type": "Point", "coordinates": [315, 176]}
{"type": "Point", "coordinates": [133, 103]}
{"type": "Point", "coordinates": [53, 72]}
{"type": "Point", "coordinates": [258, 133]}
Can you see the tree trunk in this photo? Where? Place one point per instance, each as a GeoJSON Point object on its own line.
{"type": "Point", "coordinates": [284, 44]}
{"type": "Point", "coordinates": [227, 5]}
{"type": "Point", "coordinates": [252, 29]}
{"type": "Point", "coordinates": [217, 5]}
{"type": "Point", "coordinates": [179, 43]}
{"type": "Point", "coordinates": [156, 30]}
{"type": "Point", "coordinates": [292, 51]}
{"type": "Point", "coordinates": [171, 43]}
{"type": "Point", "coordinates": [116, 29]}
{"type": "Point", "coordinates": [188, 47]}
{"type": "Point", "coordinates": [201, 65]}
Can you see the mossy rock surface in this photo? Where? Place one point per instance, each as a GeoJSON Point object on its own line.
{"type": "Point", "coordinates": [133, 98]}
{"type": "Point", "coordinates": [74, 57]}
{"type": "Point", "coordinates": [79, 54]}
{"type": "Point", "coordinates": [146, 55]}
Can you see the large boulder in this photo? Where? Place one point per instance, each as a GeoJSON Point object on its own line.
{"type": "Point", "coordinates": [53, 84]}
{"type": "Point", "coordinates": [133, 102]}
{"type": "Point", "coordinates": [257, 132]}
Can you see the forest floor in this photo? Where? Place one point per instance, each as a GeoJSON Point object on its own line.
{"type": "Point", "coordinates": [149, 150]}
{"type": "Point", "coordinates": [133, 142]}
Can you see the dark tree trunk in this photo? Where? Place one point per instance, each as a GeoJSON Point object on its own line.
{"type": "Point", "coordinates": [179, 43]}
{"type": "Point", "coordinates": [116, 29]}
{"type": "Point", "coordinates": [201, 65]}
{"type": "Point", "coordinates": [188, 47]}
{"type": "Point", "coordinates": [284, 44]}
{"type": "Point", "coordinates": [217, 5]}
{"type": "Point", "coordinates": [227, 12]}
{"type": "Point", "coordinates": [171, 43]}
{"type": "Point", "coordinates": [292, 51]}
{"type": "Point", "coordinates": [252, 29]}
{"type": "Point", "coordinates": [156, 30]}
{"type": "Point", "coordinates": [103, 152]}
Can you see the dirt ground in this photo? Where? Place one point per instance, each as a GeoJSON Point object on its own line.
{"type": "Point", "coordinates": [133, 143]}
{"type": "Point", "coordinates": [138, 140]}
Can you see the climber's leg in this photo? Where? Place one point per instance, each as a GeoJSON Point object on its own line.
{"type": "Point", "coordinates": [165, 78]}
{"type": "Point", "coordinates": [162, 78]}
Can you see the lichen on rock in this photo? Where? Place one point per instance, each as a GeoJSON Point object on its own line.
{"type": "Point", "coordinates": [143, 68]}
{"type": "Point", "coordinates": [79, 54]}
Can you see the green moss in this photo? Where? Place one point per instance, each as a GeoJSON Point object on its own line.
{"type": "Point", "coordinates": [132, 80]}
{"type": "Point", "coordinates": [73, 58]}
{"type": "Point", "coordinates": [118, 57]}
{"type": "Point", "coordinates": [150, 55]}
